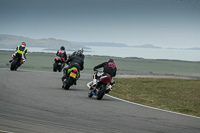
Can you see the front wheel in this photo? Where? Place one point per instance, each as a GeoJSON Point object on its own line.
{"type": "Point", "coordinates": [101, 92]}
{"type": "Point", "coordinates": [13, 65]}
{"type": "Point", "coordinates": [60, 68]}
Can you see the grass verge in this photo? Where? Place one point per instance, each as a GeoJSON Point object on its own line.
{"type": "Point", "coordinates": [132, 65]}
{"type": "Point", "coordinates": [178, 95]}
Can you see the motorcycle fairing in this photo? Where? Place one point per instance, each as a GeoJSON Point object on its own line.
{"type": "Point", "coordinates": [105, 79]}
{"type": "Point", "coordinates": [74, 69]}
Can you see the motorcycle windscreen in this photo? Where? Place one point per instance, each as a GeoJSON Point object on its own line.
{"type": "Point", "coordinates": [105, 79]}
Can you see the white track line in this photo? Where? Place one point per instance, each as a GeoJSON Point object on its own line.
{"type": "Point", "coordinates": [147, 106]}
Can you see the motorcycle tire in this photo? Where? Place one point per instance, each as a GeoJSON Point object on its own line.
{"type": "Point", "coordinates": [101, 92]}
{"type": "Point", "coordinates": [60, 69]}
{"type": "Point", "coordinates": [13, 65]}
{"type": "Point", "coordinates": [68, 83]}
{"type": "Point", "coordinates": [55, 67]}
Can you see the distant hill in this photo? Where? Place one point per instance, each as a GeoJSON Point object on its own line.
{"type": "Point", "coordinates": [146, 46]}
{"type": "Point", "coordinates": [103, 44]}
{"type": "Point", "coordinates": [11, 41]}
{"type": "Point", "coordinates": [195, 48]}
{"type": "Point", "coordinates": [156, 47]}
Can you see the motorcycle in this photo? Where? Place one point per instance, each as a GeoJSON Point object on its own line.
{"type": "Point", "coordinates": [71, 78]}
{"type": "Point", "coordinates": [58, 64]}
{"type": "Point", "coordinates": [101, 87]}
{"type": "Point", "coordinates": [16, 62]}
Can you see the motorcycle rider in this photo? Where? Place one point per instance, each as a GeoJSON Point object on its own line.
{"type": "Point", "coordinates": [79, 52]}
{"type": "Point", "coordinates": [62, 54]}
{"type": "Point", "coordinates": [110, 68]}
{"type": "Point", "coordinates": [75, 61]}
{"type": "Point", "coordinates": [22, 50]}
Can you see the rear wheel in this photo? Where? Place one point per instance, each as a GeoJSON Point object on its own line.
{"type": "Point", "coordinates": [68, 83]}
{"type": "Point", "coordinates": [101, 91]}
{"type": "Point", "coordinates": [55, 67]}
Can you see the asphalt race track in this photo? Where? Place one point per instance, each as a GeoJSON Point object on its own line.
{"type": "Point", "coordinates": [34, 102]}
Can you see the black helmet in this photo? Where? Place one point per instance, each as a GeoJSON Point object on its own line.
{"type": "Point", "coordinates": [110, 60]}
{"type": "Point", "coordinates": [62, 48]}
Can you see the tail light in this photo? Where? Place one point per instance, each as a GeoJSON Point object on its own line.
{"type": "Point", "coordinates": [74, 70]}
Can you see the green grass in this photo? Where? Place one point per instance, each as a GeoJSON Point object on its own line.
{"type": "Point", "coordinates": [149, 67]}
{"type": "Point", "coordinates": [44, 62]}
{"type": "Point", "coordinates": [35, 61]}
{"type": "Point", "coordinates": [179, 95]}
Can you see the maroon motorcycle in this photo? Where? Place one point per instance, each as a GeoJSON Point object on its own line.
{"type": "Point", "coordinates": [100, 88]}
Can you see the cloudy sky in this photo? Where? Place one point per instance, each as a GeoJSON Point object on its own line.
{"type": "Point", "coordinates": [165, 23]}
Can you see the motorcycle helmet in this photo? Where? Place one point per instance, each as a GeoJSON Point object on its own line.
{"type": "Point", "coordinates": [23, 44]}
{"type": "Point", "coordinates": [110, 60]}
{"type": "Point", "coordinates": [62, 48]}
{"type": "Point", "coordinates": [81, 50]}
{"type": "Point", "coordinates": [78, 53]}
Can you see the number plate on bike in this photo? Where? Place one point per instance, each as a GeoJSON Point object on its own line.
{"type": "Point", "coordinates": [73, 75]}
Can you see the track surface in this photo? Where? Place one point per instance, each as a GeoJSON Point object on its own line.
{"type": "Point", "coordinates": [34, 102]}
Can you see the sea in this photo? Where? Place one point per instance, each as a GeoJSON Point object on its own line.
{"type": "Point", "coordinates": [147, 53]}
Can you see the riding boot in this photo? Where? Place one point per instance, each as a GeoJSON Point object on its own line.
{"type": "Point", "coordinates": [108, 89]}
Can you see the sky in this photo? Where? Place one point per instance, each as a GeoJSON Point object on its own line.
{"type": "Point", "coordinates": [164, 23]}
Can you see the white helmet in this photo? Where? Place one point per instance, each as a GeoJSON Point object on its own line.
{"type": "Point", "coordinates": [80, 50]}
